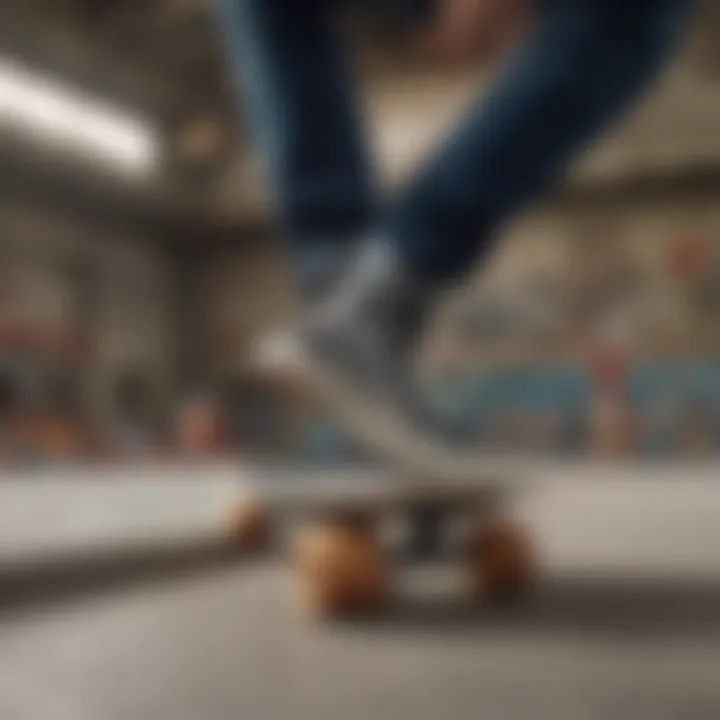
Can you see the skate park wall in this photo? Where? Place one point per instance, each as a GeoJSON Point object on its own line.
{"type": "Point", "coordinates": [65, 274]}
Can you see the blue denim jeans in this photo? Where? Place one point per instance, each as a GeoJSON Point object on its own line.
{"type": "Point", "coordinates": [583, 64]}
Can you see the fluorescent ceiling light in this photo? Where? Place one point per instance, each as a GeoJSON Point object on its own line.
{"type": "Point", "coordinates": [60, 115]}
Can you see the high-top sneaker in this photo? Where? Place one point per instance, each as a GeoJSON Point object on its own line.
{"type": "Point", "coordinates": [355, 353]}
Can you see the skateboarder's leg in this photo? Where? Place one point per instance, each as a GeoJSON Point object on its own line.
{"type": "Point", "coordinates": [585, 62]}
{"type": "Point", "coordinates": [291, 71]}
{"type": "Point", "coordinates": [584, 65]}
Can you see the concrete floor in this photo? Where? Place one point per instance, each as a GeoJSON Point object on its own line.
{"type": "Point", "coordinates": [228, 644]}
{"type": "Point", "coordinates": [626, 626]}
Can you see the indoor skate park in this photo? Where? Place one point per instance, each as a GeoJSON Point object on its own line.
{"type": "Point", "coordinates": [180, 540]}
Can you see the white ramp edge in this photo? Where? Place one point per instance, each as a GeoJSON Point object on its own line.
{"type": "Point", "coordinates": [60, 514]}
{"type": "Point", "coordinates": [652, 519]}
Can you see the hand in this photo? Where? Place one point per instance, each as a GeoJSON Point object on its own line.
{"type": "Point", "coordinates": [467, 30]}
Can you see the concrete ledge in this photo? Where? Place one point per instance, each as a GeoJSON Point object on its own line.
{"type": "Point", "coordinates": [50, 515]}
{"type": "Point", "coordinates": [75, 530]}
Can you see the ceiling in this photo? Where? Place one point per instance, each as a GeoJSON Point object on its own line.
{"type": "Point", "coordinates": [162, 58]}
{"type": "Point", "coordinates": [161, 55]}
{"type": "Point", "coordinates": [159, 58]}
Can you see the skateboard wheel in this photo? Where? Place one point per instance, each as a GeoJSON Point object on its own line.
{"type": "Point", "coordinates": [249, 526]}
{"type": "Point", "coordinates": [501, 559]}
{"type": "Point", "coordinates": [342, 570]}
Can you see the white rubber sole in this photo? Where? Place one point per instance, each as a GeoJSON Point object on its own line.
{"type": "Point", "coordinates": [274, 362]}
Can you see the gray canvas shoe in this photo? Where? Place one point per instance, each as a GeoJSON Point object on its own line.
{"type": "Point", "coordinates": [355, 353]}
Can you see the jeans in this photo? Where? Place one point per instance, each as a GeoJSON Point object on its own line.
{"type": "Point", "coordinates": [583, 63]}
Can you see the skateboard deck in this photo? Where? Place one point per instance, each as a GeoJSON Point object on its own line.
{"type": "Point", "coordinates": [339, 555]}
{"type": "Point", "coordinates": [373, 489]}
{"type": "Point", "coordinates": [286, 498]}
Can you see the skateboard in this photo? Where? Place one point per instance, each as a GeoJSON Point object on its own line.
{"type": "Point", "coordinates": [341, 561]}
{"type": "Point", "coordinates": [334, 523]}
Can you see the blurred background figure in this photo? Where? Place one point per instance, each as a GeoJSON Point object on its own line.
{"type": "Point", "coordinates": [132, 432]}
{"type": "Point", "coordinates": [9, 422]}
